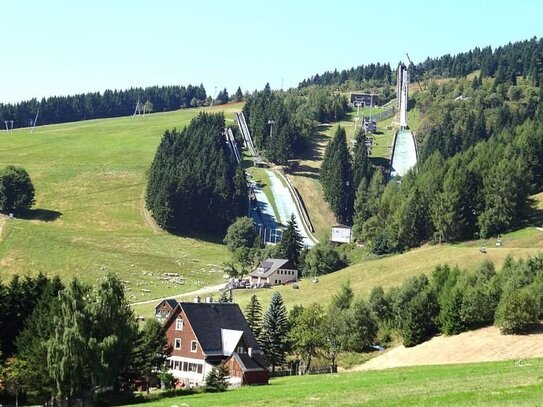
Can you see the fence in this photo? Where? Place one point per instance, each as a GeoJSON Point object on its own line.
{"type": "Point", "coordinates": [381, 115]}
{"type": "Point", "coordinates": [297, 369]}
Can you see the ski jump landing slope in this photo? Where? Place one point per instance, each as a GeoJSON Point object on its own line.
{"type": "Point", "coordinates": [404, 153]}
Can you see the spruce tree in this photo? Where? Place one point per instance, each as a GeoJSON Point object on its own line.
{"type": "Point", "coordinates": [291, 243]}
{"type": "Point", "coordinates": [336, 177]}
{"type": "Point", "coordinates": [195, 183]}
{"type": "Point", "coordinates": [216, 380]}
{"type": "Point", "coordinates": [253, 315]}
{"type": "Point", "coordinates": [238, 96]}
{"type": "Point", "coordinates": [362, 168]}
{"type": "Point", "coordinates": [450, 315]}
{"type": "Point", "coordinates": [274, 332]}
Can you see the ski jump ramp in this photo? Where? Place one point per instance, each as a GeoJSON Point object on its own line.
{"type": "Point", "coordinates": [404, 148]}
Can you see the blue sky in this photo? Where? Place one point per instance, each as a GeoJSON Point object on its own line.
{"type": "Point", "coordinates": [54, 47]}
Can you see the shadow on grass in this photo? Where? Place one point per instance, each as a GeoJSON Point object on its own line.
{"type": "Point", "coordinates": [43, 215]}
{"type": "Point", "coordinates": [306, 171]}
{"type": "Point", "coordinates": [126, 399]}
{"type": "Point", "coordinates": [317, 144]}
{"type": "Point", "coordinates": [534, 215]}
{"type": "Point", "coordinates": [380, 161]}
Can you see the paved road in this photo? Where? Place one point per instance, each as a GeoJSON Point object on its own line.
{"type": "Point", "coordinates": [200, 291]}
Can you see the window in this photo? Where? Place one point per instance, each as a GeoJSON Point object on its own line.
{"type": "Point", "coordinates": [177, 343]}
{"type": "Point", "coordinates": [240, 350]}
{"type": "Point", "coordinates": [179, 324]}
{"type": "Point", "coordinates": [193, 346]}
{"type": "Point", "coordinates": [200, 368]}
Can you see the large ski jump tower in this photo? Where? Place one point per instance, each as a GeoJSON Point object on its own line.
{"type": "Point", "coordinates": [402, 92]}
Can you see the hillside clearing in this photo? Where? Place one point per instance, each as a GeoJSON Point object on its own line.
{"type": "Point", "coordinates": [89, 216]}
{"type": "Point", "coordinates": [482, 384]}
{"type": "Point", "coordinates": [482, 345]}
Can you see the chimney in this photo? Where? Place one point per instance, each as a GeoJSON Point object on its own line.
{"type": "Point", "coordinates": [209, 300]}
{"type": "Point", "coordinates": [250, 352]}
{"type": "Point", "coordinates": [197, 298]}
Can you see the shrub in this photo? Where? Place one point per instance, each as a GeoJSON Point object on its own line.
{"type": "Point", "coordinates": [517, 311]}
{"type": "Point", "coordinates": [216, 380]}
{"type": "Point", "coordinates": [16, 190]}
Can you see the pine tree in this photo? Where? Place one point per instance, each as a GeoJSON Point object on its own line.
{"type": "Point", "coordinates": [336, 177]}
{"type": "Point", "coordinates": [274, 332]}
{"type": "Point", "coordinates": [151, 350]}
{"type": "Point", "coordinates": [253, 315]}
{"type": "Point", "coordinates": [224, 297]}
{"type": "Point", "coordinates": [238, 96]}
{"type": "Point", "coordinates": [344, 297]}
{"type": "Point", "coordinates": [418, 324]}
{"type": "Point", "coordinates": [291, 243]}
{"type": "Point", "coordinates": [450, 315]}
{"type": "Point", "coordinates": [362, 168]}
{"type": "Point", "coordinates": [217, 379]}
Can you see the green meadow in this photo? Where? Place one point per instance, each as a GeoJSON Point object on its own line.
{"type": "Point", "coordinates": [511, 383]}
{"type": "Point", "coordinates": [89, 216]}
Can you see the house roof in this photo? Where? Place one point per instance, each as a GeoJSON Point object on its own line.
{"type": "Point", "coordinates": [248, 363]}
{"type": "Point", "coordinates": [208, 320]}
{"type": "Point", "coordinates": [170, 301]}
{"type": "Point", "coordinates": [267, 267]}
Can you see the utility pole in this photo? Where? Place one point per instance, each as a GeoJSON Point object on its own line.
{"type": "Point", "coordinates": [137, 109]}
{"type": "Point", "coordinates": [35, 120]}
{"type": "Point", "coordinates": [213, 99]}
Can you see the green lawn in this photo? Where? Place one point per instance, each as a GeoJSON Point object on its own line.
{"type": "Point", "coordinates": [483, 384]}
{"type": "Point", "coordinates": [89, 215]}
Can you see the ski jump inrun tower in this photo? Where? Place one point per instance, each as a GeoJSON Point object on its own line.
{"type": "Point", "coordinates": [402, 92]}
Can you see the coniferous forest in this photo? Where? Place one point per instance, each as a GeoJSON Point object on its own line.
{"type": "Point", "coordinates": [96, 105]}
{"type": "Point", "coordinates": [195, 183]}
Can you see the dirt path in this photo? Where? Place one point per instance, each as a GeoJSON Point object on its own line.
{"type": "Point", "coordinates": [146, 216]}
{"type": "Point", "coordinates": [200, 291]}
{"type": "Point", "coordinates": [3, 220]}
{"type": "Point", "coordinates": [482, 345]}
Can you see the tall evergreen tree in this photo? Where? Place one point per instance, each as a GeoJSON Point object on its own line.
{"type": "Point", "coordinates": [274, 332]}
{"type": "Point", "coordinates": [238, 96]}
{"type": "Point", "coordinates": [362, 168]}
{"type": "Point", "coordinates": [194, 182]}
{"type": "Point", "coordinates": [336, 177]}
{"type": "Point", "coordinates": [253, 315]}
{"type": "Point", "coordinates": [32, 341]}
{"type": "Point", "coordinates": [290, 246]}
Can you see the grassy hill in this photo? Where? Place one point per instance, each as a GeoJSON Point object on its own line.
{"type": "Point", "coordinates": [306, 177]}
{"type": "Point", "coordinates": [489, 384]}
{"type": "Point", "coordinates": [89, 215]}
{"type": "Point", "coordinates": [366, 272]}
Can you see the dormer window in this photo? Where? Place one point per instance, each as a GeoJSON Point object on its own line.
{"type": "Point", "coordinates": [179, 324]}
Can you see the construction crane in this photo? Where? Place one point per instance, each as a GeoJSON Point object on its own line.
{"type": "Point", "coordinates": [416, 76]}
